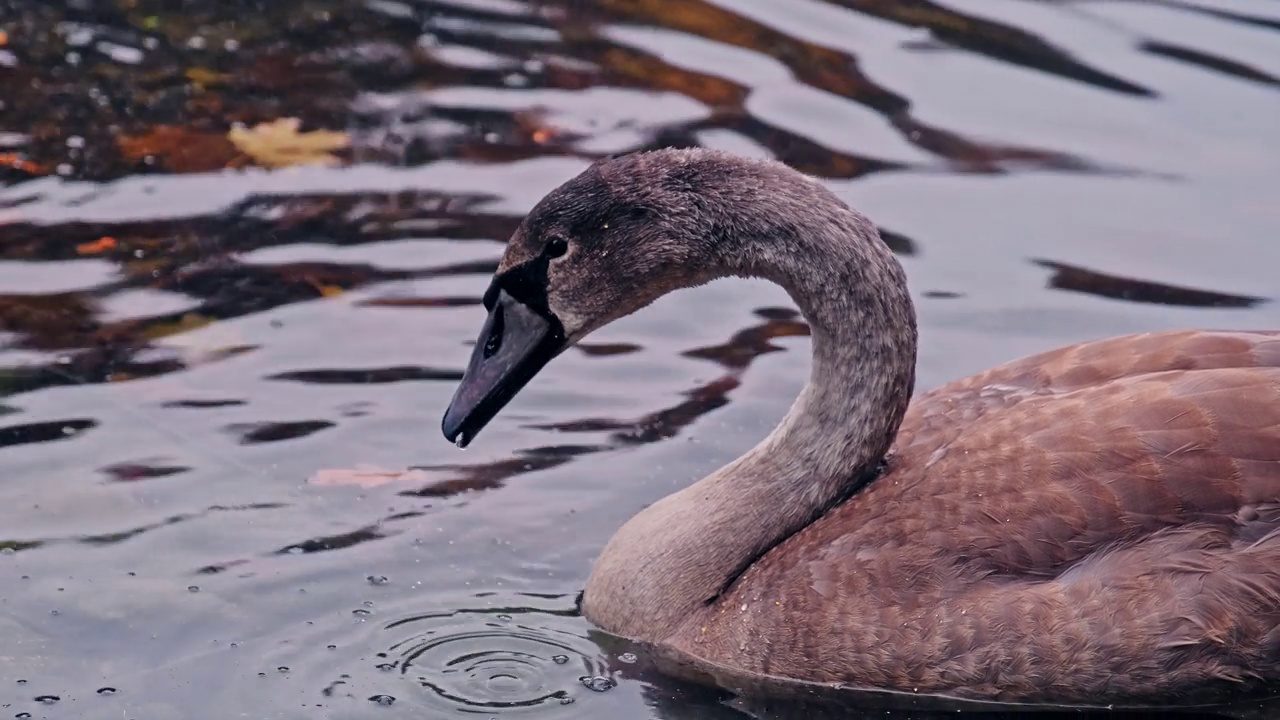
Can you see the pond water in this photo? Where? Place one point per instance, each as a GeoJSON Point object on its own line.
{"type": "Point", "coordinates": [223, 489]}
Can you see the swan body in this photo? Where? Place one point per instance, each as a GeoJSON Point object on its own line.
{"type": "Point", "coordinates": [1097, 523]}
{"type": "Point", "coordinates": [1064, 528]}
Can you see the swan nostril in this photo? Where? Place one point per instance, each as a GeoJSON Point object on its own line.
{"type": "Point", "coordinates": [494, 342]}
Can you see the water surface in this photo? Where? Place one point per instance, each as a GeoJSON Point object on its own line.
{"type": "Point", "coordinates": [223, 489]}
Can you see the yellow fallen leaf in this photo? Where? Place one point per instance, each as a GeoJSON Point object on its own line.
{"type": "Point", "coordinates": [279, 144]}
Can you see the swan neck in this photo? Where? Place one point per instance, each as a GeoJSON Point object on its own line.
{"type": "Point", "coordinates": [681, 553]}
{"type": "Point", "coordinates": [852, 292]}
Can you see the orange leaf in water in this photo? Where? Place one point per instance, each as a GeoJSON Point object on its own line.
{"type": "Point", "coordinates": [367, 477]}
{"type": "Point", "coordinates": [179, 149]}
{"type": "Point", "coordinates": [20, 163]}
{"type": "Point", "coordinates": [102, 244]}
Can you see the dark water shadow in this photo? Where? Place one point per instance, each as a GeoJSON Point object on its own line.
{"type": "Point", "coordinates": [997, 40]}
{"type": "Point", "coordinates": [1210, 62]}
{"type": "Point", "coordinates": [1115, 287]}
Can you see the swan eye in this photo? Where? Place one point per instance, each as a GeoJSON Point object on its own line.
{"type": "Point", "coordinates": [556, 247]}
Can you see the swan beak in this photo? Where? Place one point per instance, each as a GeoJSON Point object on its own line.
{"type": "Point", "coordinates": [515, 342]}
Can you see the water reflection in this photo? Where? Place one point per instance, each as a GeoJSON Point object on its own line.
{"type": "Point", "coordinates": [204, 260]}
{"type": "Point", "coordinates": [44, 431]}
{"type": "Point", "coordinates": [265, 432]}
{"type": "Point", "coordinates": [1078, 279]}
{"type": "Point", "coordinates": [1210, 62]}
{"type": "Point", "coordinates": [368, 376]}
{"type": "Point", "coordinates": [188, 334]}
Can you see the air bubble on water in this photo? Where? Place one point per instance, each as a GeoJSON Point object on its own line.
{"type": "Point", "coordinates": [386, 667]}
{"type": "Point", "coordinates": [47, 699]}
{"type": "Point", "coordinates": [193, 588]}
{"type": "Point", "coordinates": [79, 37]}
{"type": "Point", "coordinates": [560, 659]}
{"type": "Point", "coordinates": [378, 579]}
{"type": "Point", "coordinates": [283, 669]}
{"type": "Point", "coordinates": [383, 699]}
{"type": "Point", "coordinates": [597, 683]}
{"type": "Point", "coordinates": [107, 691]}
{"type": "Point", "coordinates": [628, 658]}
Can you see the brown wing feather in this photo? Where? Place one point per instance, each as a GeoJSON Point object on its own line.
{"type": "Point", "coordinates": [1111, 508]}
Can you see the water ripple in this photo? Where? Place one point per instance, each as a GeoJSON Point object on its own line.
{"type": "Point", "coordinates": [498, 659]}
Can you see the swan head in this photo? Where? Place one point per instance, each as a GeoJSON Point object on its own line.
{"type": "Point", "coordinates": [606, 243]}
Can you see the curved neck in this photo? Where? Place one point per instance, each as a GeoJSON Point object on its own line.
{"type": "Point", "coordinates": [853, 293]}
{"type": "Point", "coordinates": [683, 551]}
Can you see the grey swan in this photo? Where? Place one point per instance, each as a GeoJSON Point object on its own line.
{"type": "Point", "coordinates": [1095, 523]}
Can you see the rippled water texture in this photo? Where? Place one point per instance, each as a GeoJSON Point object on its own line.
{"type": "Point", "coordinates": [223, 491]}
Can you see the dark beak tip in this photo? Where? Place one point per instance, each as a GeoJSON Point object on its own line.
{"type": "Point", "coordinates": [451, 428]}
